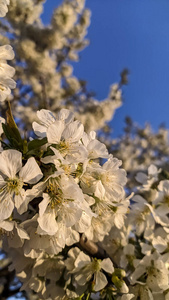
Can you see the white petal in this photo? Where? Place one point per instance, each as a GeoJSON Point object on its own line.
{"type": "Point", "coordinates": [71, 189]}
{"type": "Point", "coordinates": [48, 223]}
{"type": "Point", "coordinates": [139, 271]}
{"type": "Point", "coordinates": [74, 252]}
{"type": "Point", "coordinates": [19, 199]}
{"type": "Point", "coordinates": [164, 186]}
{"type": "Point", "coordinates": [5, 93]}
{"type": "Point", "coordinates": [145, 249]}
{"type": "Point", "coordinates": [159, 244]}
{"type": "Point", "coordinates": [70, 215]}
{"type": "Point", "coordinates": [39, 130]}
{"type": "Point", "coordinates": [10, 162]}
{"type": "Point", "coordinates": [72, 238]}
{"type": "Point", "coordinates": [84, 276]}
{"type": "Point", "coordinates": [6, 52]}
{"type": "Point", "coordinates": [54, 132]}
{"type": "Point", "coordinates": [61, 235]}
{"type": "Point", "coordinates": [3, 10]}
{"type": "Point", "coordinates": [6, 70]}
{"type": "Point", "coordinates": [2, 182]}
{"type": "Point", "coordinates": [31, 173]}
{"type": "Point", "coordinates": [152, 170]}
{"type": "Point", "coordinates": [101, 281]}
{"type": "Point", "coordinates": [46, 117]}
{"type": "Point", "coordinates": [9, 82]}
{"type": "Point", "coordinates": [141, 177]}
{"type": "Point", "coordinates": [97, 149]}
{"type": "Point", "coordinates": [73, 132]}
{"type": "Point", "coordinates": [66, 115]}
{"type": "Point", "coordinates": [83, 224]}
{"type": "Point", "coordinates": [24, 205]}
{"type": "Point", "coordinates": [7, 225]}
{"type": "Point", "coordinates": [22, 233]}
{"type": "Point", "coordinates": [82, 260]}
{"type": "Point", "coordinates": [43, 205]}
{"type": "Point", "coordinates": [90, 200]}
{"type": "Point", "coordinates": [92, 135]}
{"type": "Point", "coordinates": [6, 207]}
{"type": "Point", "coordinates": [107, 265]}
{"type": "Point", "coordinates": [47, 159]}
{"type": "Point", "coordinates": [57, 153]}
{"type": "Point", "coordinates": [100, 190]}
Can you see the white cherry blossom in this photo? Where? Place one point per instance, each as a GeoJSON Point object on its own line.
{"type": "Point", "coordinates": [14, 176]}
{"type": "Point", "coordinates": [85, 269]}
{"type": "Point", "coordinates": [63, 202]}
{"type": "Point", "coordinates": [94, 147]}
{"type": "Point", "coordinates": [110, 176]}
{"type": "Point", "coordinates": [47, 118]}
{"type": "Point", "coordinates": [157, 273]}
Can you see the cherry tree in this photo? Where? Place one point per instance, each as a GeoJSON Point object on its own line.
{"type": "Point", "coordinates": [74, 222]}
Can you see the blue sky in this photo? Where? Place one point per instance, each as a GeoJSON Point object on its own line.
{"type": "Point", "coordinates": [132, 34]}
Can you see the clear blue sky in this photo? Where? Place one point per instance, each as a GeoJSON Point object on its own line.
{"type": "Point", "coordinates": [132, 34]}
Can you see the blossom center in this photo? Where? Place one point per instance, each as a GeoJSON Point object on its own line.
{"type": "Point", "coordinates": [96, 265]}
{"type": "Point", "coordinates": [107, 179]}
{"type": "Point", "coordinates": [54, 192]}
{"type": "Point", "coordinates": [63, 147]}
{"type": "Point", "coordinates": [14, 185]}
{"type": "Point", "coordinates": [166, 199]}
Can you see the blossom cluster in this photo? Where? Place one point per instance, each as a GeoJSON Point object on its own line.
{"type": "Point", "coordinates": [132, 147]}
{"type": "Point", "coordinates": [6, 72]}
{"type": "Point", "coordinates": [66, 222]}
{"type": "Point", "coordinates": [44, 56]}
{"type": "Point", "coordinates": [64, 187]}
{"type": "Point", "coordinates": [53, 191]}
{"type": "Point", "coordinates": [144, 239]}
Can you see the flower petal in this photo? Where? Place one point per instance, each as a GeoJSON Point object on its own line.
{"type": "Point", "coordinates": [54, 132]}
{"type": "Point", "coordinates": [46, 117]}
{"type": "Point", "coordinates": [6, 52]}
{"type": "Point", "coordinates": [74, 131]}
{"type": "Point", "coordinates": [7, 225]}
{"type": "Point", "coordinates": [101, 281]}
{"type": "Point", "coordinates": [6, 206]}
{"type": "Point", "coordinates": [39, 130]}
{"type": "Point", "coordinates": [19, 199]}
{"type": "Point", "coordinates": [31, 173]}
{"type": "Point", "coordinates": [43, 205]}
{"type": "Point", "coordinates": [107, 265]}
{"type": "Point", "coordinates": [66, 115]}
{"type": "Point", "coordinates": [10, 162]}
{"type": "Point", "coordinates": [48, 223]}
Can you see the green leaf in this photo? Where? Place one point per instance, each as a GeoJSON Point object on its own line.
{"type": "Point", "coordinates": [12, 137]}
{"type": "Point", "coordinates": [35, 144]}
{"type": "Point", "coordinates": [6, 131]}
{"type": "Point", "coordinates": [11, 125]}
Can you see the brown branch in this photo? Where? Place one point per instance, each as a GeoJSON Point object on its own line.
{"type": "Point", "coordinates": [92, 248]}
